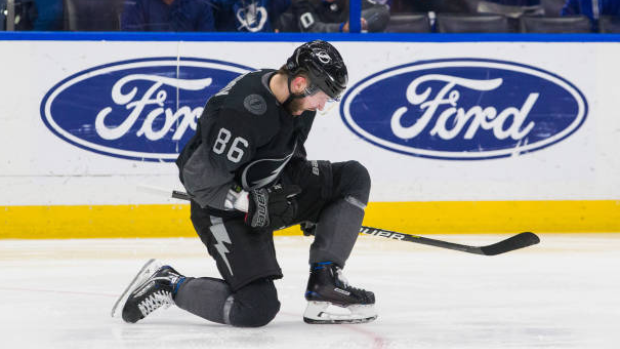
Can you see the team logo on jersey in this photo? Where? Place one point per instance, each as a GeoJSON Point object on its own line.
{"type": "Point", "coordinates": [255, 104]}
{"type": "Point", "coordinates": [464, 109]}
{"type": "Point", "coordinates": [263, 172]}
{"type": "Point", "coordinates": [143, 109]}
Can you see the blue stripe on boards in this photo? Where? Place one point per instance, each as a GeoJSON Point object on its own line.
{"type": "Point", "coordinates": [303, 37]}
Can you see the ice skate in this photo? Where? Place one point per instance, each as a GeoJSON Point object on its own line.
{"type": "Point", "coordinates": [150, 289]}
{"type": "Point", "coordinates": [328, 287]}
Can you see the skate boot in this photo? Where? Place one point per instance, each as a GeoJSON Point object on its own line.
{"type": "Point", "coordinates": [152, 288]}
{"type": "Point", "coordinates": [328, 287]}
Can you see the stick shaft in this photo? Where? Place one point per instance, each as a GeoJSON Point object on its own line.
{"type": "Point", "coordinates": [512, 243]}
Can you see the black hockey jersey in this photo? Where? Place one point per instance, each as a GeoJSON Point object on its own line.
{"type": "Point", "coordinates": [244, 138]}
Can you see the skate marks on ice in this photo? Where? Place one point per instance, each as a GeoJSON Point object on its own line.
{"type": "Point", "coordinates": [561, 293]}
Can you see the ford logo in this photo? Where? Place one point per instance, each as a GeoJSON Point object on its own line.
{"type": "Point", "coordinates": [464, 109]}
{"type": "Point", "coordinates": [143, 109]}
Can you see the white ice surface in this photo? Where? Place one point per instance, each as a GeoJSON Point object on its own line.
{"type": "Point", "coordinates": [563, 293]}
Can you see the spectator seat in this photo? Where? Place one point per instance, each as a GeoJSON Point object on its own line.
{"type": "Point", "coordinates": [93, 15]}
{"type": "Point", "coordinates": [609, 24]}
{"type": "Point", "coordinates": [409, 23]}
{"type": "Point", "coordinates": [472, 23]}
{"type": "Point", "coordinates": [551, 25]}
{"type": "Point", "coordinates": [552, 7]}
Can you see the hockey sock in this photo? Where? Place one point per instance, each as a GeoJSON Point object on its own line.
{"type": "Point", "coordinates": [204, 297]}
{"type": "Point", "coordinates": [337, 231]}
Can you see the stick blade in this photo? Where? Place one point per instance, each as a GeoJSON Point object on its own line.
{"type": "Point", "coordinates": [518, 241]}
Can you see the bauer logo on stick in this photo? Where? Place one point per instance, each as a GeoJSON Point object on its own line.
{"type": "Point", "coordinates": [381, 233]}
{"type": "Point", "coordinates": [143, 109]}
{"type": "Point", "coordinates": [464, 109]}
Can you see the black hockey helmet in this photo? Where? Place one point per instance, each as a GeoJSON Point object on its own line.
{"type": "Point", "coordinates": [323, 65]}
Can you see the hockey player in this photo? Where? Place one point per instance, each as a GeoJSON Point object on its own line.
{"type": "Point", "coordinates": [247, 174]}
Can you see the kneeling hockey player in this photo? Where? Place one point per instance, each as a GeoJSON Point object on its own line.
{"type": "Point", "coordinates": [247, 174]}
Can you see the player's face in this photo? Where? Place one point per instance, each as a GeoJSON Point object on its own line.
{"type": "Point", "coordinates": [314, 102]}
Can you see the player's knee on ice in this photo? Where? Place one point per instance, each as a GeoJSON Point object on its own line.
{"type": "Point", "coordinates": [254, 305]}
{"type": "Point", "coordinates": [354, 180]}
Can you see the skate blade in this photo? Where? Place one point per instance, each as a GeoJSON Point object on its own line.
{"type": "Point", "coordinates": [149, 268]}
{"type": "Point", "coordinates": [318, 313]}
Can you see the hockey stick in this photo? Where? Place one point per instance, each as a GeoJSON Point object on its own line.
{"type": "Point", "coordinates": [520, 240]}
{"type": "Point", "coordinates": [515, 242]}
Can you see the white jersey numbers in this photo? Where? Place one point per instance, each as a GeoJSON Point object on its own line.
{"type": "Point", "coordinates": [237, 148]}
{"type": "Point", "coordinates": [235, 153]}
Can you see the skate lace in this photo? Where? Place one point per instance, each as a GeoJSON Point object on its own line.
{"type": "Point", "coordinates": [155, 301]}
{"type": "Point", "coordinates": [345, 283]}
{"type": "Point", "coordinates": [341, 278]}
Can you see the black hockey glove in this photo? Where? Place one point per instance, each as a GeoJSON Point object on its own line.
{"type": "Point", "coordinates": [273, 207]}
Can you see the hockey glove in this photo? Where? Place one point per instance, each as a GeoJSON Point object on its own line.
{"type": "Point", "coordinates": [273, 207]}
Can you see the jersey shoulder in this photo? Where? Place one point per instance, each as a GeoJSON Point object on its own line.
{"type": "Point", "coordinates": [249, 107]}
{"type": "Point", "coordinates": [250, 96]}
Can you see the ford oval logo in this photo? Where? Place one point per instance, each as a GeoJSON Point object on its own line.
{"type": "Point", "coordinates": [143, 109]}
{"type": "Point", "coordinates": [464, 109]}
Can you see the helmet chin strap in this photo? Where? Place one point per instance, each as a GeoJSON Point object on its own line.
{"type": "Point", "coordinates": [291, 95]}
